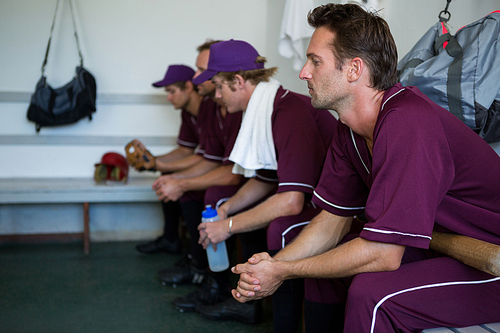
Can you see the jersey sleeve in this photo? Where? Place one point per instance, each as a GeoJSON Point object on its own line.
{"type": "Point", "coordinates": [341, 190]}
{"type": "Point", "coordinates": [222, 136]}
{"type": "Point", "coordinates": [188, 133]}
{"type": "Point", "coordinates": [300, 151]}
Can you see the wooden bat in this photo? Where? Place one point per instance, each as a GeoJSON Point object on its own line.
{"type": "Point", "coordinates": [473, 252]}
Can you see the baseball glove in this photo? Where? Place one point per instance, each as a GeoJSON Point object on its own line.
{"type": "Point", "coordinates": [139, 157]}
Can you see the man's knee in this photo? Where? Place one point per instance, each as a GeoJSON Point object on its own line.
{"type": "Point", "coordinates": [274, 239]}
{"type": "Point", "coordinates": [362, 290]}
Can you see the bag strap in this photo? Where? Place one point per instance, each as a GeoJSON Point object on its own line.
{"type": "Point", "coordinates": [453, 85]}
{"type": "Point", "coordinates": [52, 30]}
{"type": "Point", "coordinates": [455, 78]}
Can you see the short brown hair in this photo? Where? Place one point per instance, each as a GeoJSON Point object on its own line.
{"type": "Point", "coordinates": [363, 34]}
{"type": "Point", "coordinates": [182, 85]}
{"type": "Point", "coordinates": [206, 45]}
{"type": "Point", "coordinates": [254, 75]}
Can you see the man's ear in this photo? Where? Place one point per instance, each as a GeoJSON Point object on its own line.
{"type": "Point", "coordinates": [355, 70]}
{"type": "Point", "coordinates": [189, 86]}
{"type": "Point", "coordinates": [238, 81]}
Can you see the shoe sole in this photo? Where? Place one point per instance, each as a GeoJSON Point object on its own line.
{"type": "Point", "coordinates": [218, 318]}
{"type": "Point", "coordinates": [181, 309]}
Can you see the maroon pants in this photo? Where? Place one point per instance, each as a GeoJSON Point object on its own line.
{"type": "Point", "coordinates": [427, 291]}
{"type": "Point", "coordinates": [283, 230]}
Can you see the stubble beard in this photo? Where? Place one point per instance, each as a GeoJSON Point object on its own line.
{"type": "Point", "coordinates": [320, 102]}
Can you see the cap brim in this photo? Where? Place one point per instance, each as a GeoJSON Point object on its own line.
{"type": "Point", "coordinates": [161, 83]}
{"type": "Point", "coordinates": [206, 75]}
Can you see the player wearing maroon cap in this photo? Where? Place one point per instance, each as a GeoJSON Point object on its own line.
{"type": "Point", "coordinates": [281, 146]}
{"type": "Point", "coordinates": [413, 167]}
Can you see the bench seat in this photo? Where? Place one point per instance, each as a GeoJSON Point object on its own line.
{"type": "Point", "coordinates": [75, 190]}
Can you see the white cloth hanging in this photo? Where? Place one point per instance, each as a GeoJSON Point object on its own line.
{"type": "Point", "coordinates": [295, 31]}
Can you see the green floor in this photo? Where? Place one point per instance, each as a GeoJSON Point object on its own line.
{"type": "Point", "coordinates": [55, 288]}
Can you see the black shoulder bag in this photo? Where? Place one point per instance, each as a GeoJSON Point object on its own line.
{"type": "Point", "coordinates": [67, 104]}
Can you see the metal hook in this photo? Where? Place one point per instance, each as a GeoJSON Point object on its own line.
{"type": "Point", "coordinates": [444, 12]}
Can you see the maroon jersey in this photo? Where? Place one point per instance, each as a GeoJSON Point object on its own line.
{"type": "Point", "coordinates": [301, 135]}
{"type": "Point", "coordinates": [193, 129]}
{"type": "Point", "coordinates": [429, 171]}
{"type": "Point", "coordinates": [221, 135]}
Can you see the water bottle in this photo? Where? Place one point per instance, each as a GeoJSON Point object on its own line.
{"type": "Point", "coordinates": [217, 260]}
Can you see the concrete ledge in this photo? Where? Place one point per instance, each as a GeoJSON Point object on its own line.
{"type": "Point", "coordinates": [74, 190]}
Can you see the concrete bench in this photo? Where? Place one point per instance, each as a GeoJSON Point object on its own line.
{"type": "Point", "coordinates": [75, 190]}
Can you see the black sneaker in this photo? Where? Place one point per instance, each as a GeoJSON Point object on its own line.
{"type": "Point", "coordinates": [161, 244]}
{"type": "Point", "coordinates": [231, 309]}
{"type": "Point", "coordinates": [181, 273]}
{"type": "Point", "coordinates": [208, 293]}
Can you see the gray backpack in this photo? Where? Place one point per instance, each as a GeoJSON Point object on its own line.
{"type": "Point", "coordinates": [461, 73]}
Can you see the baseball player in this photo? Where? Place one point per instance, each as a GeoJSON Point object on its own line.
{"type": "Point", "coordinates": [195, 108]}
{"type": "Point", "coordinates": [219, 183]}
{"type": "Point", "coordinates": [282, 141]}
{"type": "Point", "coordinates": [414, 168]}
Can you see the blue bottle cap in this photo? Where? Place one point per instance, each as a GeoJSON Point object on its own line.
{"type": "Point", "coordinates": [209, 212]}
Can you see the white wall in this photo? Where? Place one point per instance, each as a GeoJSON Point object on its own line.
{"type": "Point", "coordinates": [127, 45]}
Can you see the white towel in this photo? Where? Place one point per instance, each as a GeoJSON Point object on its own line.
{"type": "Point", "coordinates": [295, 31]}
{"type": "Point", "coordinates": [254, 146]}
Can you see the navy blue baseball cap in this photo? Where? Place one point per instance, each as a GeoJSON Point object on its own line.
{"type": "Point", "coordinates": [176, 73]}
{"type": "Point", "coordinates": [229, 56]}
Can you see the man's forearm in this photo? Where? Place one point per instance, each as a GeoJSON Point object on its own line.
{"type": "Point", "coordinates": [354, 257]}
{"type": "Point", "coordinates": [250, 193]}
{"type": "Point", "coordinates": [202, 167]}
{"type": "Point", "coordinates": [176, 154]}
{"type": "Point", "coordinates": [323, 233]}
{"type": "Point", "coordinates": [179, 165]}
{"type": "Point", "coordinates": [278, 205]}
{"type": "Point", "coordinates": [220, 176]}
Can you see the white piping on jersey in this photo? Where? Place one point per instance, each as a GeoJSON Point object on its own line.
{"type": "Point", "coordinates": [293, 226]}
{"type": "Point", "coordinates": [356, 146]}
{"type": "Point", "coordinates": [352, 133]}
{"type": "Point", "coordinates": [225, 159]}
{"type": "Point", "coordinates": [395, 232]}
{"type": "Point", "coordinates": [424, 287]}
{"type": "Point", "coordinates": [220, 202]}
{"type": "Point", "coordinates": [212, 157]}
{"type": "Point", "coordinates": [185, 143]}
{"type": "Point", "coordinates": [387, 100]}
{"type": "Point", "coordinates": [336, 206]}
{"type": "Point", "coordinates": [267, 178]}
{"type": "Point", "coordinates": [295, 184]}
{"type": "Point", "coordinates": [286, 93]}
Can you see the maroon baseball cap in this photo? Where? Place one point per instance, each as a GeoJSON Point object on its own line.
{"type": "Point", "coordinates": [176, 73]}
{"type": "Point", "coordinates": [229, 56]}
